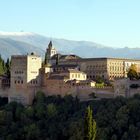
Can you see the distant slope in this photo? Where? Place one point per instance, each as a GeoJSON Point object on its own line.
{"type": "Point", "coordinates": [23, 42]}
{"type": "Point", "coordinates": [10, 47]}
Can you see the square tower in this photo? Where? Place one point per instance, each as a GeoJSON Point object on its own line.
{"type": "Point", "coordinates": [24, 77]}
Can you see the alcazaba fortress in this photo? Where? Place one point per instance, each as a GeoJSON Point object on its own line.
{"type": "Point", "coordinates": [64, 75]}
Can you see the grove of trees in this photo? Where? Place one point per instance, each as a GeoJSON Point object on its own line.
{"type": "Point", "coordinates": [57, 118]}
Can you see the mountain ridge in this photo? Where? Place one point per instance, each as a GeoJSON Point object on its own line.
{"type": "Point", "coordinates": [26, 42]}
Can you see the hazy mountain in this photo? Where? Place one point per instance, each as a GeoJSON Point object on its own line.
{"type": "Point", "coordinates": [10, 47]}
{"type": "Point", "coordinates": [26, 42]}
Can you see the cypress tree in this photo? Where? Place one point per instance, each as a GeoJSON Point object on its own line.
{"type": "Point", "coordinates": [2, 66]}
{"type": "Point", "coordinates": [46, 59]}
{"type": "Point", "coordinates": [7, 65]}
{"type": "Point", "coordinates": [89, 125]}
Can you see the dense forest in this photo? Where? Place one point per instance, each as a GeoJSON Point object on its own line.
{"type": "Point", "coordinates": [57, 118]}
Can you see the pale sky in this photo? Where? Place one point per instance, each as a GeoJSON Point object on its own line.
{"type": "Point", "coordinates": [110, 22]}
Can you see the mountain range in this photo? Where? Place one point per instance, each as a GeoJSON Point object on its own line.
{"type": "Point", "coordinates": [12, 43]}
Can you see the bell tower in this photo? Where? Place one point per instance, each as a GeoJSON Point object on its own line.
{"type": "Point", "coordinates": [50, 52]}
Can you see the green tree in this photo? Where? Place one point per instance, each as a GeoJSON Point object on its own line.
{"type": "Point", "coordinates": [29, 112]}
{"type": "Point", "coordinates": [40, 105]}
{"type": "Point", "coordinates": [125, 136]}
{"type": "Point", "coordinates": [114, 137]}
{"type": "Point", "coordinates": [51, 110]}
{"type": "Point", "coordinates": [7, 67]}
{"type": "Point", "coordinates": [2, 116]}
{"type": "Point", "coordinates": [40, 97]}
{"type": "Point", "coordinates": [99, 80]}
{"type": "Point", "coordinates": [75, 130]}
{"type": "Point", "coordinates": [132, 72]}
{"type": "Point", "coordinates": [2, 66]}
{"type": "Point", "coordinates": [32, 132]}
{"type": "Point", "coordinates": [46, 60]}
{"type": "Point", "coordinates": [89, 125]}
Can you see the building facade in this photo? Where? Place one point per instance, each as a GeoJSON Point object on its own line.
{"type": "Point", "coordinates": [72, 75]}
{"type": "Point", "coordinates": [24, 77]}
{"type": "Point", "coordinates": [107, 68]}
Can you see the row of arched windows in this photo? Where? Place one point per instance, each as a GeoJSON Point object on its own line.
{"type": "Point", "coordinates": [18, 72]}
{"type": "Point", "coordinates": [18, 81]}
{"type": "Point", "coordinates": [33, 81]}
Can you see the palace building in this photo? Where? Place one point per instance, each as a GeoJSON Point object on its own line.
{"type": "Point", "coordinates": [59, 74]}
{"type": "Point", "coordinates": [107, 68]}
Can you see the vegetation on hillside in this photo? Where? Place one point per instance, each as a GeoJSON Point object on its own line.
{"type": "Point", "coordinates": [4, 66]}
{"type": "Point", "coordinates": [56, 118]}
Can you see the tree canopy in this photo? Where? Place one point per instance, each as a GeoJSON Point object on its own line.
{"type": "Point", "coordinates": [132, 72]}
{"type": "Point", "coordinates": [57, 118]}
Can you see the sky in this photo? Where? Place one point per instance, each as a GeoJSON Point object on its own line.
{"type": "Point", "coordinates": [113, 23]}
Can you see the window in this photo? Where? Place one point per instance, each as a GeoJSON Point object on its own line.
{"type": "Point", "coordinates": [15, 81]}
{"type": "Point", "coordinates": [33, 71]}
{"type": "Point", "coordinates": [21, 81]}
{"type": "Point", "coordinates": [18, 72]}
{"type": "Point", "coordinates": [72, 75]}
{"type": "Point", "coordinates": [78, 75]}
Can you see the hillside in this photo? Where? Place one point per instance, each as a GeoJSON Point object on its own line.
{"type": "Point", "coordinates": [23, 42]}
{"type": "Point", "coordinates": [10, 47]}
